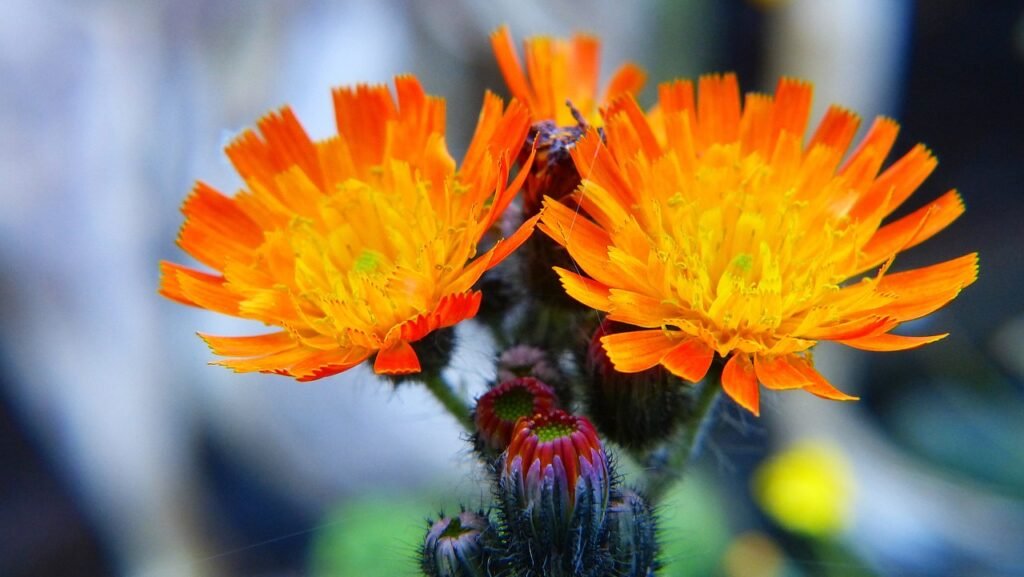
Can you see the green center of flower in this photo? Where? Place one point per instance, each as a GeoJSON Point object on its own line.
{"type": "Point", "coordinates": [514, 404]}
{"type": "Point", "coordinates": [551, 431]}
{"type": "Point", "coordinates": [454, 530]}
{"type": "Point", "coordinates": [367, 261]}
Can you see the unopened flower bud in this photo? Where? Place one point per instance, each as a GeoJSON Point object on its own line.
{"type": "Point", "coordinates": [454, 546]}
{"type": "Point", "coordinates": [527, 361]}
{"type": "Point", "coordinates": [632, 535]}
{"type": "Point", "coordinates": [498, 410]}
{"type": "Point", "coordinates": [553, 491]}
{"type": "Point", "coordinates": [635, 410]}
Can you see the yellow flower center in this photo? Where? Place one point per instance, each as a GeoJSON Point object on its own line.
{"type": "Point", "coordinates": [374, 255]}
{"type": "Point", "coordinates": [740, 244]}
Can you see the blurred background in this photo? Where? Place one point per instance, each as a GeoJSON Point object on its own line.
{"type": "Point", "coordinates": [122, 453]}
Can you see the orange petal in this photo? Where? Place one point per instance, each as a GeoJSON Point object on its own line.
{"type": "Point", "coordinates": [327, 363]}
{"type": "Point", "coordinates": [852, 329]}
{"type": "Point", "coordinates": [169, 285]}
{"type": "Point", "coordinates": [249, 346]}
{"type": "Point", "coordinates": [718, 108]}
{"type": "Point", "coordinates": [915, 293]}
{"type": "Point", "coordinates": [819, 385]}
{"type": "Point", "coordinates": [449, 311]}
{"type": "Point", "coordinates": [510, 66]}
{"type": "Point", "coordinates": [689, 360]}
{"type": "Point", "coordinates": [216, 229]}
{"type": "Point", "coordinates": [594, 162]}
{"type": "Point", "coordinates": [677, 96]}
{"type": "Point", "coordinates": [778, 373]}
{"type": "Point", "coordinates": [587, 291]}
{"type": "Point", "coordinates": [399, 359]}
{"type": "Point", "coordinates": [872, 150]}
{"type": "Point", "coordinates": [836, 130]}
{"type": "Point", "coordinates": [277, 362]}
{"type": "Point", "coordinates": [361, 114]}
{"type": "Point", "coordinates": [628, 79]}
{"type": "Point", "coordinates": [890, 342]}
{"type": "Point", "coordinates": [740, 382]}
{"type": "Point", "coordinates": [637, 121]}
{"type": "Point", "coordinates": [586, 243]}
{"type": "Point", "coordinates": [199, 289]}
{"type": "Point", "coordinates": [456, 308]}
{"type": "Point", "coordinates": [638, 309]}
{"type": "Point", "coordinates": [756, 124]}
{"type": "Point", "coordinates": [504, 199]}
{"type": "Point", "coordinates": [792, 107]}
{"type": "Point", "coordinates": [281, 143]}
{"type": "Point", "coordinates": [505, 247]}
{"type": "Point", "coordinates": [912, 229]}
{"type": "Point", "coordinates": [637, 351]}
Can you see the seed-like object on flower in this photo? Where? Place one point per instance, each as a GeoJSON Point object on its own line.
{"type": "Point", "coordinates": [632, 535]}
{"type": "Point", "coordinates": [355, 246]}
{"type": "Point", "coordinates": [635, 410]}
{"type": "Point", "coordinates": [498, 410]}
{"type": "Point", "coordinates": [713, 228]}
{"type": "Point", "coordinates": [454, 546]}
{"type": "Point", "coordinates": [553, 489]}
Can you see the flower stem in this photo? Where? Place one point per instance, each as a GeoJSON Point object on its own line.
{"type": "Point", "coordinates": [452, 402]}
{"type": "Point", "coordinates": [667, 464]}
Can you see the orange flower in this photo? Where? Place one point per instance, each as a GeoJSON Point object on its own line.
{"type": "Point", "coordinates": [358, 244]}
{"type": "Point", "coordinates": [716, 230]}
{"type": "Point", "coordinates": [558, 71]}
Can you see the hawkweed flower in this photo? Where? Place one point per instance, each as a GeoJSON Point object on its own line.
{"type": "Point", "coordinates": [560, 86]}
{"type": "Point", "coordinates": [498, 410]}
{"type": "Point", "coordinates": [353, 246]}
{"type": "Point", "coordinates": [553, 488]}
{"type": "Point", "coordinates": [559, 71]}
{"type": "Point", "coordinates": [454, 546]}
{"type": "Point", "coordinates": [714, 228]}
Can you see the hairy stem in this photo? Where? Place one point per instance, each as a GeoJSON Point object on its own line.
{"type": "Point", "coordinates": [452, 402]}
{"type": "Point", "coordinates": [667, 464]}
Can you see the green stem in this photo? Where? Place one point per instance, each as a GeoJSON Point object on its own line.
{"type": "Point", "coordinates": [453, 403]}
{"type": "Point", "coordinates": [666, 465]}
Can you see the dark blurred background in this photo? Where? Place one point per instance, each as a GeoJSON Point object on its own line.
{"type": "Point", "coordinates": [121, 453]}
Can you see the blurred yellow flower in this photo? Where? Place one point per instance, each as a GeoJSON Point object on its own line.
{"type": "Point", "coordinates": [715, 228]}
{"type": "Point", "coordinates": [356, 245]}
{"type": "Point", "coordinates": [808, 489]}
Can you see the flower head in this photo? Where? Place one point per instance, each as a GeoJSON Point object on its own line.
{"type": "Point", "coordinates": [453, 546]}
{"type": "Point", "coordinates": [498, 410]}
{"type": "Point", "coordinates": [560, 86]}
{"type": "Point", "coordinates": [714, 228]}
{"type": "Point", "coordinates": [553, 489]}
{"type": "Point", "coordinates": [356, 245]}
{"type": "Point", "coordinates": [556, 450]}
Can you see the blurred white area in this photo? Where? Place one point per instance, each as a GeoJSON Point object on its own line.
{"type": "Point", "coordinates": [109, 110]}
{"type": "Point", "coordinates": [850, 49]}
